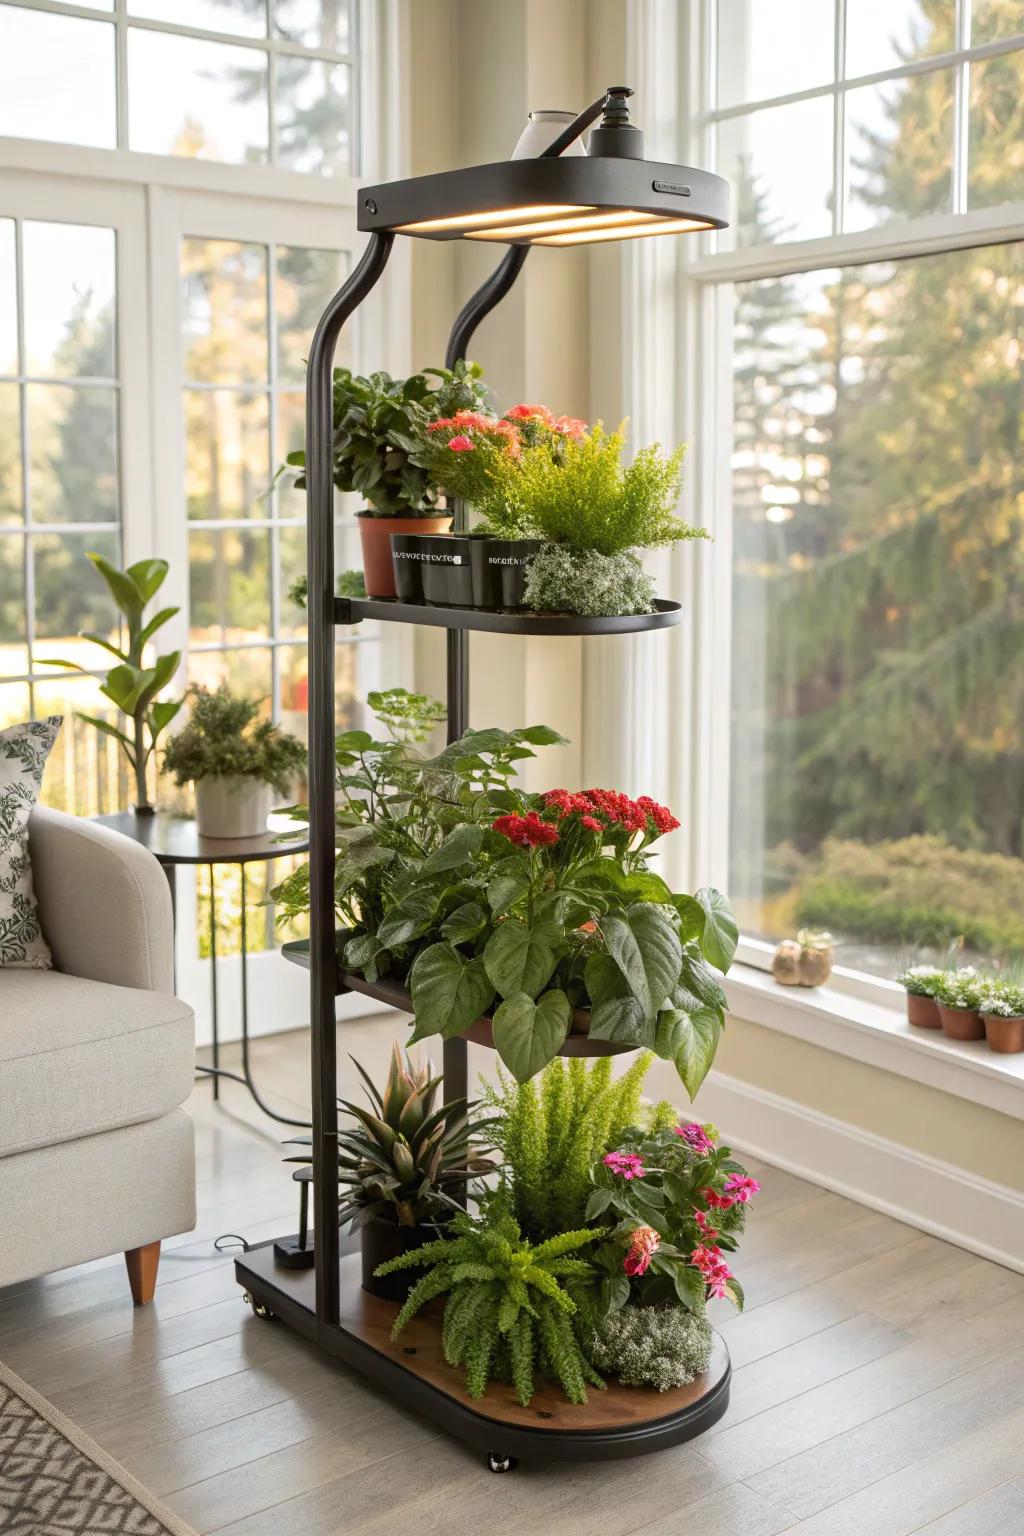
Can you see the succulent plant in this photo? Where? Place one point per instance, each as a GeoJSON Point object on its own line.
{"type": "Point", "coordinates": [402, 1158]}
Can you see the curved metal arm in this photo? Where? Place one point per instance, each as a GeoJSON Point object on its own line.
{"type": "Point", "coordinates": [480, 304]}
{"type": "Point", "coordinates": [320, 553]}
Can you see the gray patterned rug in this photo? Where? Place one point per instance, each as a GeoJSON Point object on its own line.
{"type": "Point", "coordinates": [55, 1482]}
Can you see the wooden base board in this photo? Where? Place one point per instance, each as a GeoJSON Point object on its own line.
{"type": "Point", "coordinates": [620, 1421]}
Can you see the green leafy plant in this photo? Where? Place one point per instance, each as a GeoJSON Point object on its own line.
{"type": "Point", "coordinates": [378, 426]}
{"type": "Point", "coordinates": [552, 1129]}
{"type": "Point", "coordinates": [508, 1311]}
{"type": "Point", "coordinates": [403, 1157]}
{"type": "Point", "coordinates": [921, 980]}
{"type": "Point", "coordinates": [224, 737]}
{"type": "Point", "coordinates": [131, 685]}
{"type": "Point", "coordinates": [350, 584]}
{"type": "Point", "coordinates": [564, 580]}
{"type": "Point", "coordinates": [1002, 999]}
{"type": "Point", "coordinates": [961, 988]}
{"type": "Point", "coordinates": [661, 1346]}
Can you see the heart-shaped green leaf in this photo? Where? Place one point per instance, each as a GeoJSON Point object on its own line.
{"type": "Point", "coordinates": [527, 1035]}
{"type": "Point", "coordinates": [645, 946]}
{"type": "Point", "coordinates": [409, 920]}
{"type": "Point", "coordinates": [521, 958]}
{"type": "Point", "coordinates": [457, 847]}
{"type": "Point", "coordinates": [721, 932]}
{"type": "Point", "coordinates": [698, 1042]}
{"type": "Point", "coordinates": [506, 887]}
{"type": "Point", "coordinates": [695, 977]}
{"type": "Point", "coordinates": [465, 923]}
{"type": "Point", "coordinates": [615, 1013]}
{"type": "Point", "coordinates": [449, 992]}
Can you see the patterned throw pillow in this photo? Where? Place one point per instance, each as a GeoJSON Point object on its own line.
{"type": "Point", "coordinates": [23, 753]}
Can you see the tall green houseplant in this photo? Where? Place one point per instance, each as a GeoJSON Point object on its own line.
{"type": "Point", "coordinates": [131, 685]}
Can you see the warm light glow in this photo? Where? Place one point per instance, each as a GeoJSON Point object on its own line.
{"type": "Point", "coordinates": [495, 216]}
{"type": "Point", "coordinates": [558, 226]}
{"type": "Point", "coordinates": [659, 226]}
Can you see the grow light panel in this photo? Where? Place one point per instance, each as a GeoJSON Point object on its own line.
{"type": "Point", "coordinates": [588, 221]}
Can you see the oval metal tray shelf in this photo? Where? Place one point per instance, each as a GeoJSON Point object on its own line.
{"type": "Point", "coordinates": [352, 610]}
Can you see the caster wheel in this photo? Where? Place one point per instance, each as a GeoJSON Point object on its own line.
{"type": "Point", "coordinates": [259, 1308]}
{"type": "Point", "coordinates": [496, 1463]}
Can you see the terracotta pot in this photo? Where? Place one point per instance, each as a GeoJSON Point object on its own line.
{"type": "Point", "coordinates": [1004, 1035]}
{"type": "Point", "coordinates": [961, 1023]}
{"type": "Point", "coordinates": [375, 533]}
{"type": "Point", "coordinates": [923, 1012]}
{"type": "Point", "coordinates": [381, 1240]}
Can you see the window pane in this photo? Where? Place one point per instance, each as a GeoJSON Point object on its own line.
{"type": "Point", "coordinates": [779, 162]}
{"type": "Point", "coordinates": [224, 311]}
{"type": "Point", "coordinates": [878, 641]}
{"type": "Point", "coordinates": [291, 428]}
{"type": "Point", "coordinates": [292, 556]}
{"type": "Point", "coordinates": [995, 19]}
{"type": "Point", "coordinates": [323, 24]}
{"type": "Point", "coordinates": [13, 646]}
{"type": "Point", "coordinates": [72, 432]}
{"type": "Point", "coordinates": [15, 705]}
{"type": "Point", "coordinates": [304, 282]}
{"type": "Point", "coordinates": [314, 115]}
{"type": "Point", "coordinates": [772, 49]}
{"type": "Point", "coordinates": [207, 101]}
{"type": "Point", "coordinates": [11, 499]}
{"type": "Point", "coordinates": [57, 78]}
{"type": "Point", "coordinates": [229, 571]}
{"type": "Point", "coordinates": [883, 34]}
{"type": "Point", "coordinates": [8, 300]}
{"type": "Point", "coordinates": [245, 18]}
{"type": "Point", "coordinates": [996, 130]}
{"type": "Point", "coordinates": [227, 454]}
{"type": "Point", "coordinates": [899, 143]}
{"type": "Point", "coordinates": [69, 300]}
{"type": "Point", "coordinates": [86, 772]}
{"type": "Point", "coordinates": [70, 595]}
{"type": "Point", "coordinates": [246, 671]}
{"type": "Point", "coordinates": [293, 662]}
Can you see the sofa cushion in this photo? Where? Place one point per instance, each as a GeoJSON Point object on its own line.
{"type": "Point", "coordinates": [78, 1057]}
{"type": "Point", "coordinates": [23, 753]}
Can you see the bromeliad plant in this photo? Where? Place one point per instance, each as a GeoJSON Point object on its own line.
{"type": "Point", "coordinates": [508, 1307]}
{"type": "Point", "coordinates": [403, 1157]}
{"type": "Point", "coordinates": [131, 685]}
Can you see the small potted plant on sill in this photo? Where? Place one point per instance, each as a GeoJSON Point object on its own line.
{"type": "Point", "coordinates": [958, 995]}
{"type": "Point", "coordinates": [921, 982]}
{"type": "Point", "coordinates": [234, 760]}
{"type": "Point", "coordinates": [1002, 1013]}
{"type": "Point", "coordinates": [400, 1162]}
{"type": "Point", "coordinates": [377, 434]}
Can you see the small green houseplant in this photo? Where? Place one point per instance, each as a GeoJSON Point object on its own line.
{"type": "Point", "coordinates": [131, 685]}
{"type": "Point", "coordinates": [921, 982]}
{"type": "Point", "coordinates": [400, 1162]}
{"type": "Point", "coordinates": [958, 995]}
{"type": "Point", "coordinates": [234, 759]}
{"type": "Point", "coordinates": [378, 422]}
{"type": "Point", "coordinates": [1002, 1010]}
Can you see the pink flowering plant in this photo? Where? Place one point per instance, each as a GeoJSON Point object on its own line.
{"type": "Point", "coordinates": [679, 1200]}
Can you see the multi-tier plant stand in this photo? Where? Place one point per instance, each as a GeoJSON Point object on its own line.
{"type": "Point", "coordinates": [327, 1304]}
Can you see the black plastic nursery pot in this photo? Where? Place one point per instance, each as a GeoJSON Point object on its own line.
{"type": "Point", "coordinates": [446, 572]}
{"type": "Point", "coordinates": [408, 554]}
{"type": "Point", "coordinates": [499, 570]}
{"type": "Point", "coordinates": [382, 1240]}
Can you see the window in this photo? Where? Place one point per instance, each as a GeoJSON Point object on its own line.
{"type": "Point", "coordinates": [60, 488]}
{"type": "Point", "coordinates": [249, 82]}
{"type": "Point", "coordinates": [858, 415]}
{"type": "Point", "coordinates": [885, 109]}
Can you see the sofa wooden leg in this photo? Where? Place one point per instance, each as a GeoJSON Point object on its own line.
{"type": "Point", "coordinates": [142, 1267]}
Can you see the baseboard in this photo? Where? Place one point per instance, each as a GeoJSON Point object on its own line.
{"type": "Point", "coordinates": [962, 1208]}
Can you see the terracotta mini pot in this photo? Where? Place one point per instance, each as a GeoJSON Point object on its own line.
{"type": "Point", "coordinates": [1004, 1035]}
{"type": "Point", "coordinates": [923, 1012]}
{"type": "Point", "coordinates": [961, 1023]}
{"type": "Point", "coordinates": [375, 533]}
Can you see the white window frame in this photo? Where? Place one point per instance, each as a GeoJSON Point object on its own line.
{"type": "Point", "coordinates": [685, 295]}
{"type": "Point", "coordinates": [152, 202]}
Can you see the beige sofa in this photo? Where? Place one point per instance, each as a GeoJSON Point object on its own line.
{"type": "Point", "coordinates": [96, 1058]}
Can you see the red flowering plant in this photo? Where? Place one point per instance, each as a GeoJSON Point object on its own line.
{"type": "Point", "coordinates": [680, 1201]}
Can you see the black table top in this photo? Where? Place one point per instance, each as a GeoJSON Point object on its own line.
{"type": "Point", "coordinates": [176, 840]}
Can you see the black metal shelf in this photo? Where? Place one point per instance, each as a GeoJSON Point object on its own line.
{"type": "Point", "coordinates": [352, 610]}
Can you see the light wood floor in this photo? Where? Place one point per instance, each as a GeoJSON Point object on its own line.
{"type": "Point", "coordinates": [878, 1386]}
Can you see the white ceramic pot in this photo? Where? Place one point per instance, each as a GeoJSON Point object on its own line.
{"type": "Point", "coordinates": [232, 807]}
{"type": "Point", "coordinates": [542, 129]}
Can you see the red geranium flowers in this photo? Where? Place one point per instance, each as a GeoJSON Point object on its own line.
{"type": "Point", "coordinates": [527, 831]}
{"type": "Point", "coordinates": [602, 809]}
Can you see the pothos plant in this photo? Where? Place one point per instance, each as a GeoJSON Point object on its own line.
{"type": "Point", "coordinates": [131, 685]}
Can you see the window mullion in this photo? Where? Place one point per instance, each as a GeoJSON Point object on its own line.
{"type": "Point", "coordinates": [839, 122]}
{"type": "Point", "coordinates": [121, 54]}
{"type": "Point", "coordinates": [961, 110]}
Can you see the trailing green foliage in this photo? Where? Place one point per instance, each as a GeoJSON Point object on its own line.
{"type": "Point", "coordinates": [224, 737]}
{"type": "Point", "coordinates": [661, 1346]}
{"type": "Point", "coordinates": [564, 580]}
{"type": "Point", "coordinates": [508, 1312]}
{"type": "Point", "coordinates": [131, 685]}
{"type": "Point", "coordinates": [552, 1129]}
{"type": "Point", "coordinates": [405, 1155]}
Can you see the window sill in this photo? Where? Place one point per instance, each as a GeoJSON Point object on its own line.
{"type": "Point", "coordinates": [879, 1037]}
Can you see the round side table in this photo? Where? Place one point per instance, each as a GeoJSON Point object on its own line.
{"type": "Point", "coordinates": [174, 841]}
